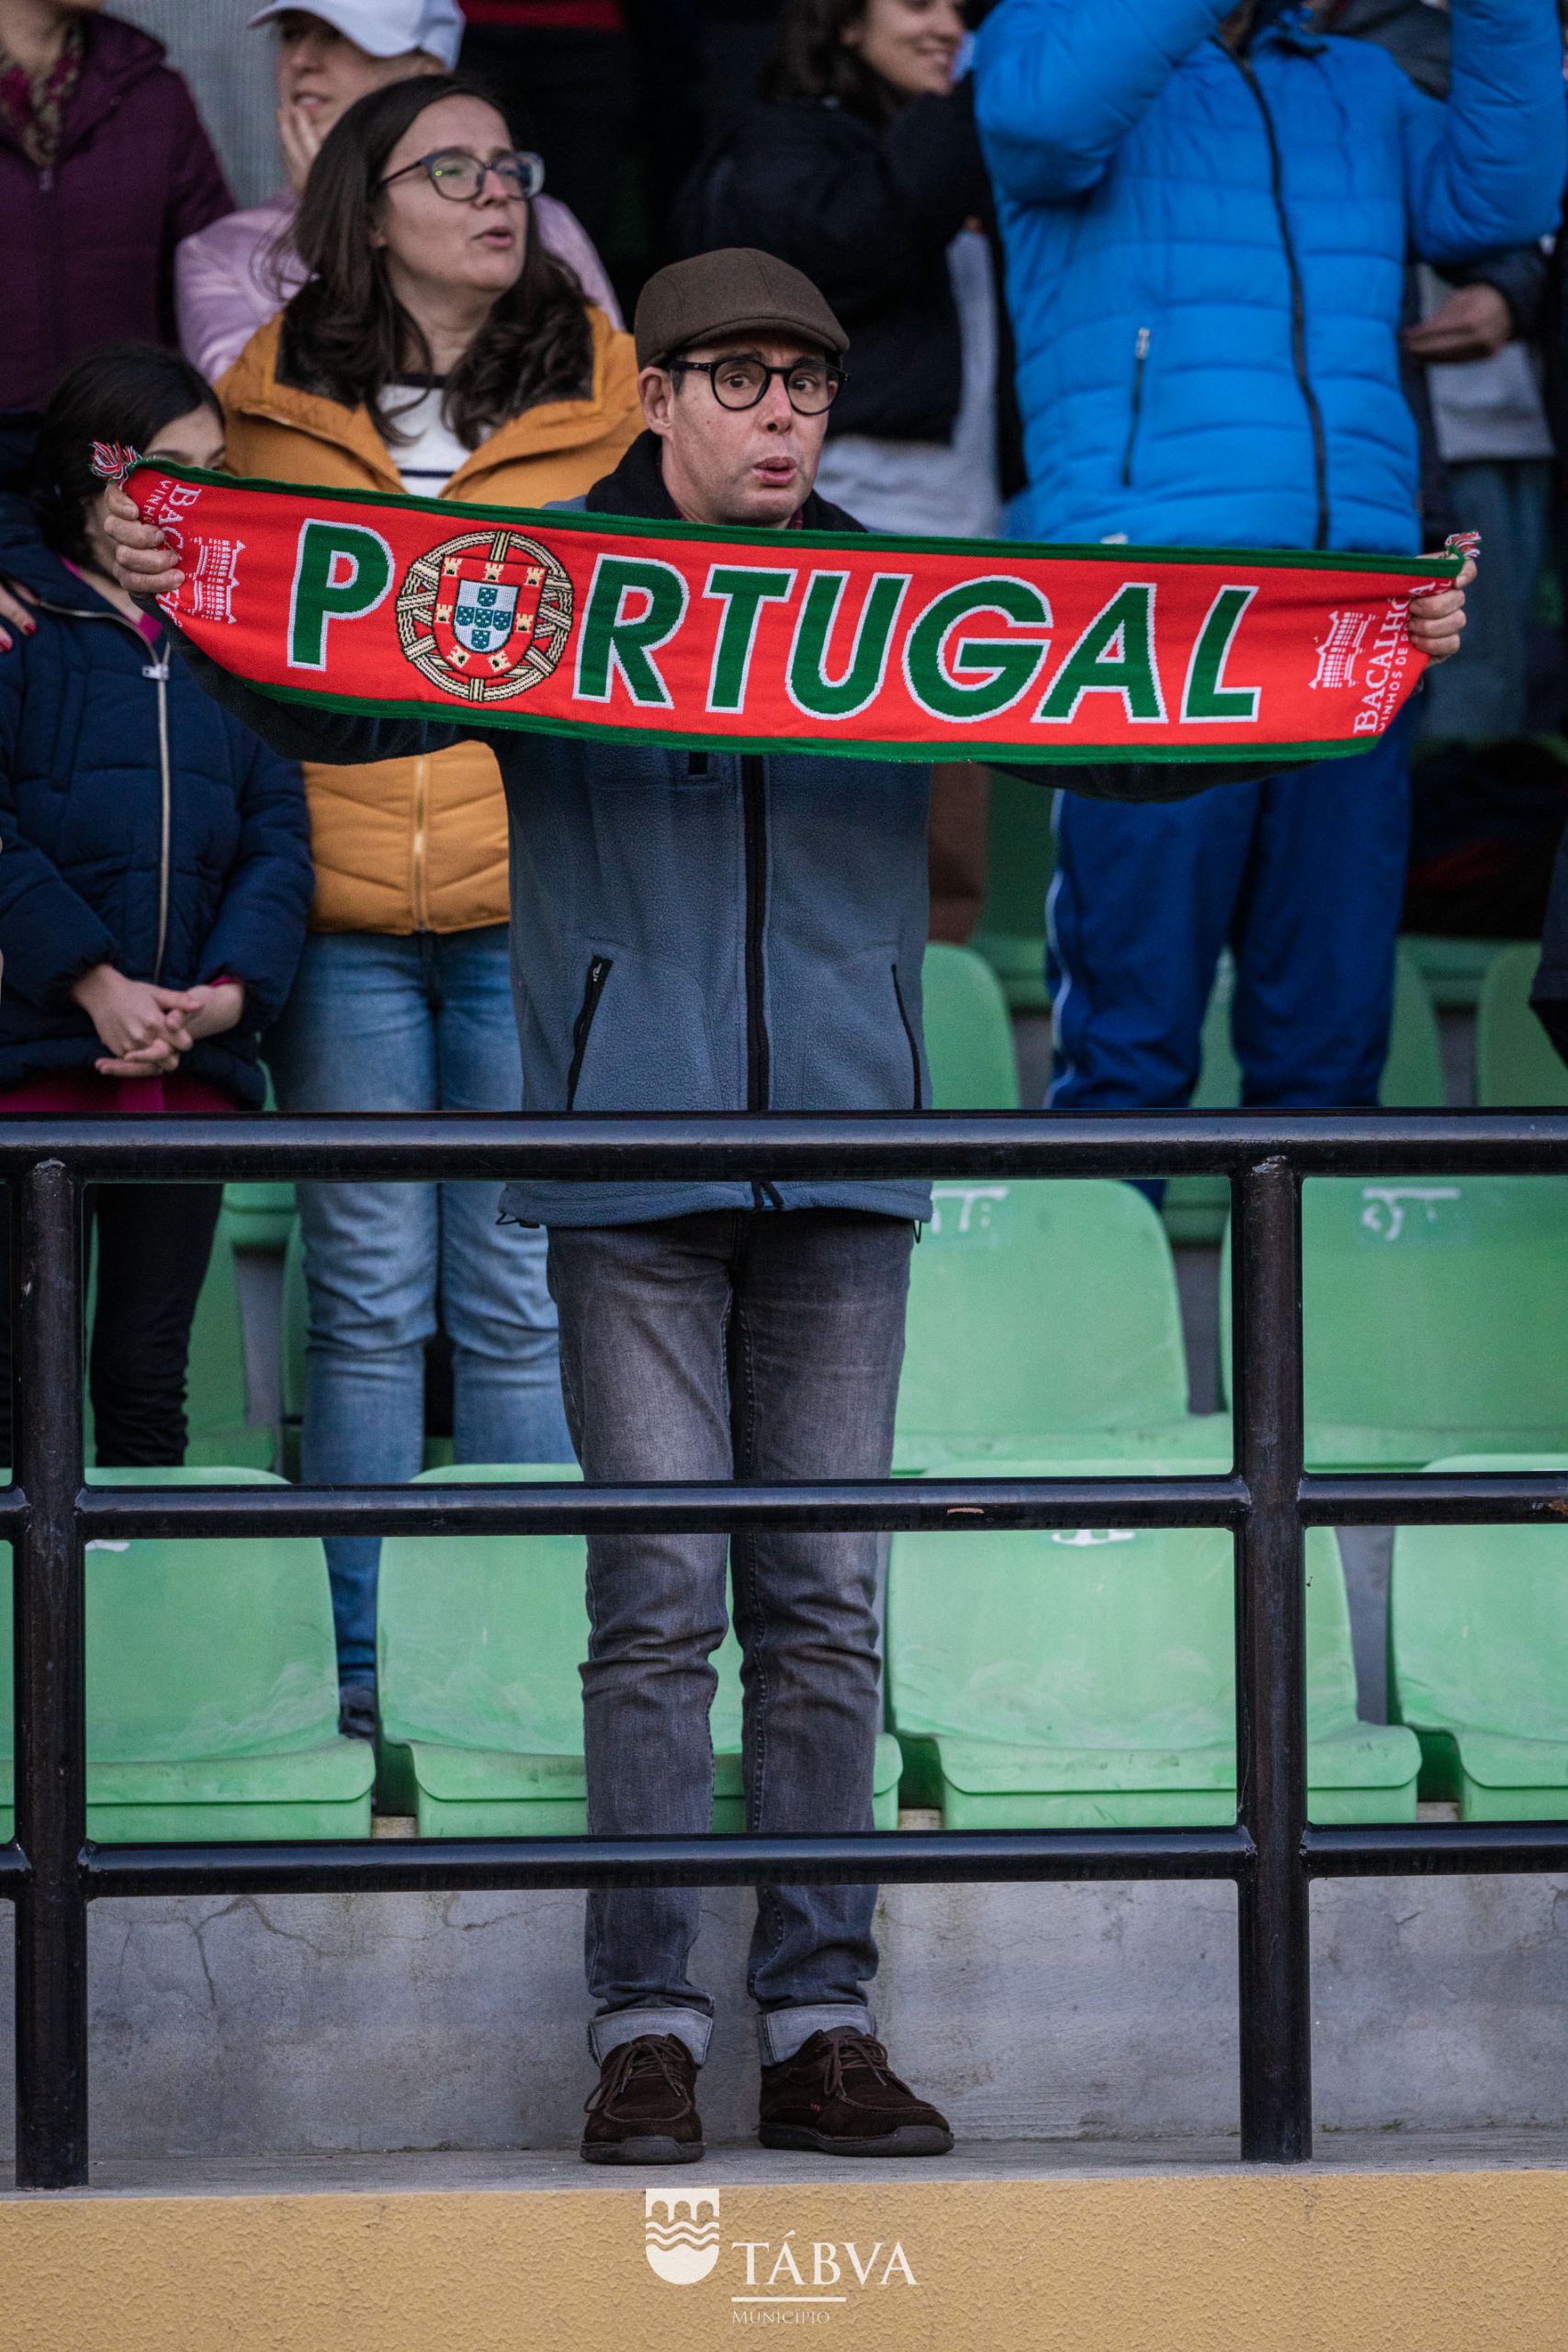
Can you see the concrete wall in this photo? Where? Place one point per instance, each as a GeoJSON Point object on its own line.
{"type": "Point", "coordinates": [324, 2023]}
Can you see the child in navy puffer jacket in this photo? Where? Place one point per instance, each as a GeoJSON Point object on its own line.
{"type": "Point", "coordinates": [155, 880]}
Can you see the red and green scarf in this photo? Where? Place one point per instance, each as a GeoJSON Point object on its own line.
{"type": "Point", "coordinates": [581, 624]}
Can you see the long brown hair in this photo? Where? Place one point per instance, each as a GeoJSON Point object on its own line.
{"type": "Point", "coordinates": [347, 336]}
{"type": "Point", "coordinates": [811, 61]}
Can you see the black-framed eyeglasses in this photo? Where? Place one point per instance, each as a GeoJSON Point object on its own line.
{"type": "Point", "coordinates": [453, 172]}
{"type": "Point", "coordinates": [810, 385]}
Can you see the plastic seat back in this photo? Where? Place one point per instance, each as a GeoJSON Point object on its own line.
{"type": "Point", "coordinates": [479, 1637]}
{"type": "Point", "coordinates": [1091, 1638]}
{"type": "Point", "coordinates": [206, 1647]}
{"type": "Point", "coordinates": [1478, 1621]}
{"type": "Point", "coordinates": [1022, 857]}
{"type": "Point", "coordinates": [1435, 1311]}
{"type": "Point", "coordinates": [1196, 1206]}
{"type": "Point", "coordinates": [968, 1034]}
{"type": "Point", "coordinates": [1038, 1308]}
{"type": "Point", "coordinates": [1517, 1067]}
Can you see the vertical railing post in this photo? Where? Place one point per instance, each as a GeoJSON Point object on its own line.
{"type": "Point", "coordinates": [1271, 1652]}
{"type": "Point", "coordinates": [50, 1770]}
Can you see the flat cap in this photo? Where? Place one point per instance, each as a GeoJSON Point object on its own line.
{"type": "Point", "coordinates": [732, 291]}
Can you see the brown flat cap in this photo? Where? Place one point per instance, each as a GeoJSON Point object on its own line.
{"type": "Point", "coordinates": [732, 291]}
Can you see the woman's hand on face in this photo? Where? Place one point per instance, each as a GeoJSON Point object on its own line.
{"type": "Point", "coordinates": [300, 135]}
{"type": "Point", "coordinates": [210, 1011]}
{"type": "Point", "coordinates": [145, 564]}
{"type": "Point", "coordinates": [13, 603]}
{"type": "Point", "coordinates": [143, 1028]}
{"type": "Point", "coordinates": [1436, 619]}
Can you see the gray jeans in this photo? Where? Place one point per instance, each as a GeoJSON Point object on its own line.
{"type": "Point", "coordinates": [751, 1345]}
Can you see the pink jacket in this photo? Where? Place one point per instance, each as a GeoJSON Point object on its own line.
{"type": "Point", "coordinates": [228, 282]}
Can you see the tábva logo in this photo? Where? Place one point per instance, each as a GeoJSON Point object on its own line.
{"type": "Point", "coordinates": [485, 615]}
{"type": "Point", "coordinates": [680, 2244]}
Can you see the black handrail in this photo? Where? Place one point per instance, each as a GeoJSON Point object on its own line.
{"type": "Point", "coordinates": [51, 1872]}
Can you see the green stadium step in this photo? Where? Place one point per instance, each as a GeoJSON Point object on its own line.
{"type": "Point", "coordinates": [1196, 1207]}
{"type": "Point", "coordinates": [1517, 1067]}
{"type": "Point", "coordinates": [1044, 1316]}
{"type": "Point", "coordinates": [479, 1638]}
{"type": "Point", "coordinates": [1436, 1319]}
{"type": "Point", "coordinates": [213, 1697]}
{"type": "Point", "coordinates": [1067, 1679]}
{"type": "Point", "coordinates": [1478, 1657]}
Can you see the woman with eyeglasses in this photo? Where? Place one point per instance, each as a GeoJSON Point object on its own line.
{"type": "Point", "coordinates": [237, 273]}
{"type": "Point", "coordinates": [438, 348]}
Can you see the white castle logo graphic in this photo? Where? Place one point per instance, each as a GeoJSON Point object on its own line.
{"type": "Point", "coordinates": [680, 2244]}
{"type": "Point", "coordinates": [1337, 654]}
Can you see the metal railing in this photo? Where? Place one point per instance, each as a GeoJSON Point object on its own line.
{"type": "Point", "coordinates": [51, 1872]}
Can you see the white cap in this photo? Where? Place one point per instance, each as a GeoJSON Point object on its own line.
{"type": "Point", "coordinates": [383, 28]}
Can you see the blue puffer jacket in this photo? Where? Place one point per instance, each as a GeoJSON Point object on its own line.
{"type": "Point", "coordinates": [178, 865]}
{"type": "Point", "coordinates": [1205, 255]}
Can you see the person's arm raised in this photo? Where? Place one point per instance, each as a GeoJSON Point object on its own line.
{"type": "Point", "coordinates": [1485, 171]}
{"type": "Point", "coordinates": [147, 567]}
{"type": "Point", "coordinates": [1059, 83]}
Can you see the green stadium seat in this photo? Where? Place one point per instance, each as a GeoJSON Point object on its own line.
{"type": "Point", "coordinates": [1039, 1313]}
{"type": "Point", "coordinates": [968, 1034]}
{"type": "Point", "coordinates": [1076, 1679]}
{"type": "Point", "coordinates": [296, 1328]}
{"type": "Point", "coordinates": [212, 1695]}
{"type": "Point", "coordinates": [1022, 857]}
{"type": "Point", "coordinates": [1478, 1657]}
{"type": "Point", "coordinates": [1436, 1319]}
{"type": "Point", "coordinates": [479, 1639]}
{"type": "Point", "coordinates": [258, 1216]}
{"type": "Point", "coordinates": [1517, 1067]}
{"type": "Point", "coordinates": [1196, 1207]}
{"type": "Point", "coordinates": [1453, 969]}
{"type": "Point", "coordinates": [218, 1431]}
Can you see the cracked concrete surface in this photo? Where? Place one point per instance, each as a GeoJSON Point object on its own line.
{"type": "Point", "coordinates": [315, 2025]}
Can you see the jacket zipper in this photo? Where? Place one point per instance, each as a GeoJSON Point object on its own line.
{"type": "Point", "coordinates": [1139, 363]}
{"type": "Point", "coordinates": [755, 806]}
{"type": "Point", "coordinates": [592, 989]}
{"type": "Point", "coordinates": [910, 1038]}
{"type": "Point", "coordinates": [1298, 302]}
{"type": "Point", "coordinates": [419, 817]}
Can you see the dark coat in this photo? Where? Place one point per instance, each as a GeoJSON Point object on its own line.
{"type": "Point", "coordinates": [90, 870]}
{"type": "Point", "coordinates": [87, 252]}
{"type": "Point", "coordinates": [868, 214]}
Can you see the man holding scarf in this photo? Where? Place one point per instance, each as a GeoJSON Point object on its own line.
{"type": "Point", "coordinates": [1207, 211]}
{"type": "Point", "coordinates": [700, 932]}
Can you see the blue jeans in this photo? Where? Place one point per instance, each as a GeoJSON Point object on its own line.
{"type": "Point", "coordinates": [1303, 876]}
{"type": "Point", "coordinates": [721, 1345]}
{"type": "Point", "coordinates": [379, 1023]}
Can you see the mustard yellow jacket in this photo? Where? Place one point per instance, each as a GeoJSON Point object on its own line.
{"type": "Point", "coordinates": [407, 845]}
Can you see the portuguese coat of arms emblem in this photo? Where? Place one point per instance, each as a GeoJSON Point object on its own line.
{"type": "Point", "coordinates": [485, 615]}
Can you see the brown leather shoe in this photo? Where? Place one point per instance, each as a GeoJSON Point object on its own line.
{"type": "Point", "coordinates": [645, 2110]}
{"type": "Point", "coordinates": [840, 2096]}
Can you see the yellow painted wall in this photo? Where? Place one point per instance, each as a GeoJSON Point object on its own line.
{"type": "Point", "coordinates": [1286, 2262]}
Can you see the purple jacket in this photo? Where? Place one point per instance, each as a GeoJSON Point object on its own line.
{"type": "Point", "coordinates": [87, 253]}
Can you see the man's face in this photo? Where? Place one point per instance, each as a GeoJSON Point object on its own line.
{"type": "Point", "coordinates": [723, 464]}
